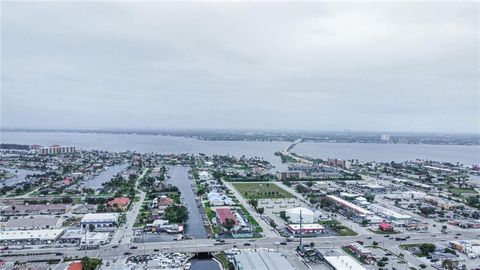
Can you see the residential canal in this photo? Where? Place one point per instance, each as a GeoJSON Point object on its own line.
{"type": "Point", "coordinates": [19, 176]}
{"type": "Point", "coordinates": [179, 177]}
{"type": "Point", "coordinates": [105, 176]}
{"type": "Point", "coordinates": [204, 264]}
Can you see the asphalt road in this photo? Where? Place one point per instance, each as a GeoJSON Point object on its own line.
{"type": "Point", "coordinates": [210, 245]}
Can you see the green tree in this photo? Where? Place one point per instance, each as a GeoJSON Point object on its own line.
{"type": "Point", "coordinates": [229, 223]}
{"type": "Point", "coordinates": [176, 214]}
{"type": "Point", "coordinates": [260, 210]}
{"type": "Point", "coordinates": [253, 203]}
{"type": "Point", "coordinates": [369, 196]}
{"type": "Point", "coordinates": [426, 211]}
{"type": "Point", "coordinates": [273, 224]}
{"type": "Point", "coordinates": [427, 248]}
{"type": "Point", "coordinates": [89, 263]}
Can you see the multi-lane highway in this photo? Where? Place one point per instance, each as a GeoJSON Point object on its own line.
{"type": "Point", "coordinates": [209, 245]}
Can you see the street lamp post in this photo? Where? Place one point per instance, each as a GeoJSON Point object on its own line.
{"type": "Point", "coordinates": [85, 247]}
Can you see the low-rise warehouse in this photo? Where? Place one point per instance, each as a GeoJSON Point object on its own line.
{"type": "Point", "coordinates": [100, 221]}
{"type": "Point", "coordinates": [261, 261]}
{"type": "Point", "coordinates": [353, 209]}
{"type": "Point", "coordinates": [30, 237]}
{"type": "Point", "coordinates": [308, 216]}
{"type": "Point", "coordinates": [33, 223]}
{"type": "Point", "coordinates": [343, 263]}
{"type": "Point", "coordinates": [313, 228]}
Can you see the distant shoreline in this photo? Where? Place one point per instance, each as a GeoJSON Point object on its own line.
{"type": "Point", "coordinates": [287, 136]}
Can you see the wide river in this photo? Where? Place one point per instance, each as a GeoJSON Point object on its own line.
{"type": "Point", "coordinates": [467, 155]}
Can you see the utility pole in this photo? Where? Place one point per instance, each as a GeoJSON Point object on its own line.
{"type": "Point", "coordinates": [301, 231]}
{"type": "Point", "coordinates": [85, 247]}
{"type": "Point", "coordinates": [143, 240]}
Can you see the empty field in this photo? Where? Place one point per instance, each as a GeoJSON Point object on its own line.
{"type": "Point", "coordinates": [261, 191]}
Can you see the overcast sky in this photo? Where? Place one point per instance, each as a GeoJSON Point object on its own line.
{"type": "Point", "coordinates": [400, 66]}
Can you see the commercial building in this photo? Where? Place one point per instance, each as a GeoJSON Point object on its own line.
{"type": "Point", "coordinates": [385, 227]}
{"type": "Point", "coordinates": [84, 208]}
{"type": "Point", "coordinates": [78, 237]}
{"type": "Point", "coordinates": [308, 216]}
{"type": "Point", "coordinates": [33, 223]}
{"type": "Point", "coordinates": [100, 221]}
{"type": "Point", "coordinates": [374, 188]}
{"type": "Point", "coordinates": [343, 262]}
{"type": "Point", "coordinates": [261, 261]}
{"type": "Point", "coordinates": [313, 228]}
{"type": "Point", "coordinates": [338, 163]}
{"type": "Point", "coordinates": [388, 213]}
{"type": "Point", "coordinates": [56, 149]}
{"type": "Point", "coordinates": [290, 175]}
{"type": "Point", "coordinates": [34, 209]}
{"type": "Point", "coordinates": [414, 225]}
{"type": "Point", "coordinates": [469, 247]}
{"type": "Point", "coordinates": [30, 237]}
{"type": "Point", "coordinates": [353, 210]}
{"type": "Point", "coordinates": [362, 252]}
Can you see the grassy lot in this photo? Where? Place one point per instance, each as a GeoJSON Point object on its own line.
{"type": "Point", "coordinates": [339, 228]}
{"type": "Point", "coordinates": [461, 190]}
{"type": "Point", "coordinates": [251, 219]}
{"type": "Point", "coordinates": [261, 190]}
{"type": "Point", "coordinates": [222, 258]}
{"type": "Point", "coordinates": [425, 248]}
{"type": "Point", "coordinates": [345, 231]}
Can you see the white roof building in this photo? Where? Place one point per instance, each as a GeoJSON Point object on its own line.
{"type": "Point", "coordinates": [33, 223]}
{"type": "Point", "coordinates": [388, 213]}
{"type": "Point", "coordinates": [352, 207]}
{"type": "Point", "coordinates": [261, 261]}
{"type": "Point", "coordinates": [204, 175]}
{"type": "Point", "coordinates": [217, 199]}
{"type": "Point", "coordinates": [308, 216]}
{"type": "Point", "coordinates": [31, 235]}
{"type": "Point", "coordinates": [343, 263]}
{"type": "Point", "coordinates": [100, 218]}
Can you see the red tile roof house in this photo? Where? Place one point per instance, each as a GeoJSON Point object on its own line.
{"type": "Point", "coordinates": [67, 181]}
{"type": "Point", "coordinates": [225, 213]}
{"type": "Point", "coordinates": [75, 266]}
{"type": "Point", "coordinates": [120, 203]}
{"type": "Point", "coordinates": [385, 227]}
{"type": "Point", "coordinates": [164, 202]}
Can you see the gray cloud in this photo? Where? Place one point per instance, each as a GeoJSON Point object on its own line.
{"type": "Point", "coordinates": [312, 65]}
